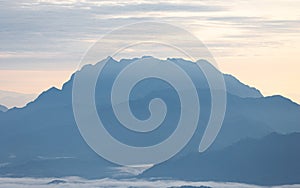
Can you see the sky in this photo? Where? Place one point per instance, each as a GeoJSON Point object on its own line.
{"type": "Point", "coordinates": [43, 41]}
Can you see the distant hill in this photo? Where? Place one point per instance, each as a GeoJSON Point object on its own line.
{"type": "Point", "coordinates": [14, 99]}
{"type": "Point", "coordinates": [272, 160]}
{"type": "Point", "coordinates": [3, 108]}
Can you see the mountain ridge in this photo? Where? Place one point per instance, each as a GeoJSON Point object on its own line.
{"type": "Point", "coordinates": [46, 127]}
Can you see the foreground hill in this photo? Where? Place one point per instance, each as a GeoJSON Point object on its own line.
{"type": "Point", "coordinates": [272, 160]}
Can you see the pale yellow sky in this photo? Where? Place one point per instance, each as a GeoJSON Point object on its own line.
{"type": "Point", "coordinates": [256, 41]}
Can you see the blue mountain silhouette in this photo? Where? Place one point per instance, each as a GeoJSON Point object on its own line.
{"type": "Point", "coordinates": [42, 139]}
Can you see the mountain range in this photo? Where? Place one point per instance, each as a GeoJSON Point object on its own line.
{"type": "Point", "coordinates": [42, 139]}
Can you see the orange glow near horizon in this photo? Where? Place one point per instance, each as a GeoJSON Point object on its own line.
{"type": "Point", "coordinates": [32, 82]}
{"type": "Point", "coordinates": [256, 41]}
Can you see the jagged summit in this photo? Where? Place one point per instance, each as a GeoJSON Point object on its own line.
{"type": "Point", "coordinates": [233, 85]}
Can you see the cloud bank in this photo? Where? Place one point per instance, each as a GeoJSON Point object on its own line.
{"type": "Point", "coordinates": [75, 182]}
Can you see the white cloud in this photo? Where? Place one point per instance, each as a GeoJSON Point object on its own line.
{"type": "Point", "coordinates": [54, 34]}
{"type": "Point", "coordinates": [75, 182]}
